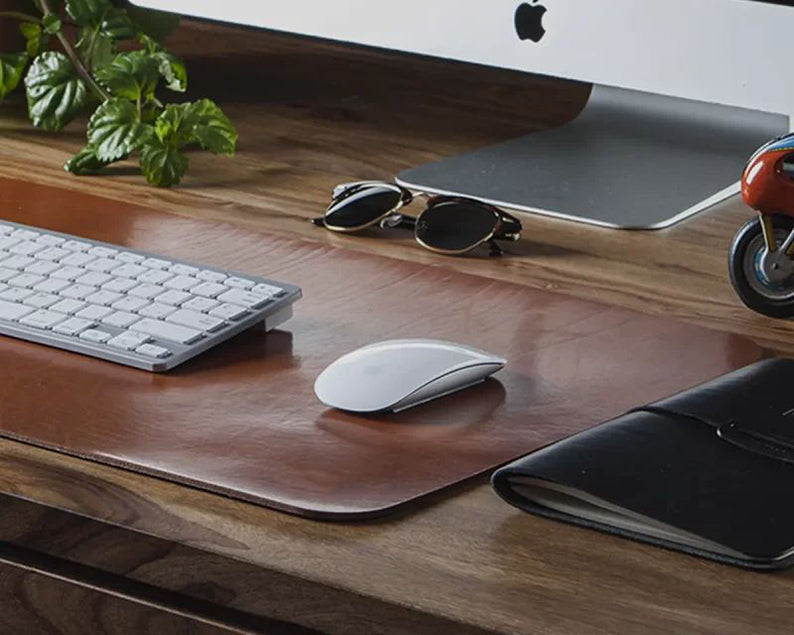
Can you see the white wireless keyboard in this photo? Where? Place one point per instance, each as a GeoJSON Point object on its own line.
{"type": "Point", "coordinates": [123, 305]}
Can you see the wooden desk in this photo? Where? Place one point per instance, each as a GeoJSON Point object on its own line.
{"type": "Point", "coordinates": [89, 548]}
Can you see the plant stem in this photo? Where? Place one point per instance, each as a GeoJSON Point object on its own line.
{"type": "Point", "coordinates": [18, 15]}
{"type": "Point", "coordinates": [78, 63]}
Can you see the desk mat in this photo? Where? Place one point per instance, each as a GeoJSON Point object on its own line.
{"type": "Point", "coordinates": [242, 419]}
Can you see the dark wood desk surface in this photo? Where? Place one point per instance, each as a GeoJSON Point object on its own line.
{"type": "Point", "coordinates": [311, 115]}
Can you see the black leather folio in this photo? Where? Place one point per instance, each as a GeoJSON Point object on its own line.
{"type": "Point", "coordinates": [709, 471]}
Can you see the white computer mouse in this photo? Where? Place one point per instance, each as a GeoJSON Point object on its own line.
{"type": "Point", "coordinates": [399, 374]}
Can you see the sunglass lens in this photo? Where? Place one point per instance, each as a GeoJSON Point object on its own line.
{"type": "Point", "coordinates": [362, 207]}
{"type": "Point", "coordinates": [455, 225]}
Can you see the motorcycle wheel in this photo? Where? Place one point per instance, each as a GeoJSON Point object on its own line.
{"type": "Point", "coordinates": [774, 299]}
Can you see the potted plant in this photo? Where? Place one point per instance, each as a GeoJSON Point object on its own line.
{"type": "Point", "coordinates": [108, 58]}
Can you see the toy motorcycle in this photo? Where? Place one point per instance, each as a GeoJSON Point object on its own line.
{"type": "Point", "coordinates": [762, 254]}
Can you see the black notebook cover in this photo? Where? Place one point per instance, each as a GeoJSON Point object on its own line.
{"type": "Point", "coordinates": [709, 471]}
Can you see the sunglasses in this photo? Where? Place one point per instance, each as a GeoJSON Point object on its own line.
{"type": "Point", "coordinates": [448, 225]}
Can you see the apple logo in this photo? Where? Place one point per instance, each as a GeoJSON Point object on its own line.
{"type": "Point", "coordinates": [529, 21]}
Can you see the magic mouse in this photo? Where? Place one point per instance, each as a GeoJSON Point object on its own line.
{"type": "Point", "coordinates": [399, 374]}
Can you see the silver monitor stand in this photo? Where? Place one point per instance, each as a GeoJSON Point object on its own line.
{"type": "Point", "coordinates": [630, 160]}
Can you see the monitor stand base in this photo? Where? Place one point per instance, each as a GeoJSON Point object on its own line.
{"type": "Point", "coordinates": [630, 160]}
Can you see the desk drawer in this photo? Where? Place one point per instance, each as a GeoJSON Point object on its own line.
{"type": "Point", "coordinates": [35, 604]}
{"type": "Point", "coordinates": [167, 576]}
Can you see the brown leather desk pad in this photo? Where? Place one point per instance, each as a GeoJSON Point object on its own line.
{"type": "Point", "coordinates": [242, 420]}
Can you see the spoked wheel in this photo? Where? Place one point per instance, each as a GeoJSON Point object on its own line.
{"type": "Point", "coordinates": [764, 281]}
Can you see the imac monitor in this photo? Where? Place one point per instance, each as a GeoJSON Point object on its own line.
{"type": "Point", "coordinates": [684, 91]}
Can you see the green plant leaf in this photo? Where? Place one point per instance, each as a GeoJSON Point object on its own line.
{"type": "Point", "coordinates": [173, 71]}
{"type": "Point", "coordinates": [35, 39]}
{"type": "Point", "coordinates": [52, 23]}
{"type": "Point", "coordinates": [117, 25]}
{"type": "Point", "coordinates": [156, 24]}
{"type": "Point", "coordinates": [132, 75]}
{"type": "Point", "coordinates": [85, 162]}
{"type": "Point", "coordinates": [163, 165]}
{"type": "Point", "coordinates": [116, 131]}
{"type": "Point", "coordinates": [212, 129]}
{"type": "Point", "coordinates": [55, 93]}
{"type": "Point", "coordinates": [96, 49]}
{"type": "Point", "coordinates": [171, 67]}
{"type": "Point", "coordinates": [87, 12]}
{"type": "Point", "coordinates": [12, 65]}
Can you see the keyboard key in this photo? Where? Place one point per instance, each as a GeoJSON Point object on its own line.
{"type": "Point", "coordinates": [94, 312]}
{"type": "Point", "coordinates": [202, 305]}
{"type": "Point", "coordinates": [94, 279]}
{"type": "Point", "coordinates": [25, 234]}
{"type": "Point", "coordinates": [102, 264]}
{"type": "Point", "coordinates": [146, 291]}
{"type": "Point", "coordinates": [129, 341]}
{"type": "Point", "coordinates": [181, 283]}
{"type": "Point", "coordinates": [77, 259]}
{"type": "Point", "coordinates": [12, 311]}
{"type": "Point", "coordinates": [77, 291]}
{"type": "Point", "coordinates": [103, 252]}
{"type": "Point", "coordinates": [6, 229]}
{"type": "Point", "coordinates": [173, 297]}
{"type": "Point", "coordinates": [68, 306]}
{"type": "Point", "coordinates": [156, 263]}
{"type": "Point", "coordinates": [156, 310]}
{"type": "Point", "coordinates": [128, 256]}
{"type": "Point", "coordinates": [42, 300]}
{"type": "Point", "coordinates": [228, 312]}
{"type": "Point", "coordinates": [42, 267]}
{"type": "Point", "coordinates": [51, 285]}
{"type": "Point", "coordinates": [244, 298]}
{"type": "Point", "coordinates": [94, 335]}
{"type": "Point", "coordinates": [120, 285]}
{"type": "Point", "coordinates": [150, 350]}
{"type": "Point", "coordinates": [103, 297]}
{"type": "Point", "coordinates": [16, 294]}
{"type": "Point", "coordinates": [129, 270]}
{"type": "Point", "coordinates": [27, 248]}
{"type": "Point", "coordinates": [239, 283]}
{"type": "Point", "coordinates": [42, 319]}
{"type": "Point", "coordinates": [17, 262]}
{"type": "Point", "coordinates": [26, 280]}
{"type": "Point", "coordinates": [120, 319]}
{"type": "Point", "coordinates": [53, 253]}
{"type": "Point", "coordinates": [76, 245]}
{"type": "Point", "coordinates": [211, 276]}
{"type": "Point", "coordinates": [155, 276]}
{"type": "Point", "coordinates": [7, 274]}
{"type": "Point", "coordinates": [9, 241]}
{"type": "Point", "coordinates": [268, 289]}
{"type": "Point", "coordinates": [168, 331]}
{"type": "Point", "coordinates": [130, 304]}
{"type": "Point", "coordinates": [198, 321]}
{"type": "Point", "coordinates": [48, 239]}
{"type": "Point", "coordinates": [209, 289]}
{"type": "Point", "coordinates": [73, 326]}
{"type": "Point", "coordinates": [184, 270]}
{"type": "Point", "coordinates": [67, 273]}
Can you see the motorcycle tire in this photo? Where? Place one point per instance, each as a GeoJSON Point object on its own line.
{"type": "Point", "coordinates": [767, 298]}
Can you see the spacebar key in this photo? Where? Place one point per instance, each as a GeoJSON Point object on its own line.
{"type": "Point", "coordinates": [166, 331]}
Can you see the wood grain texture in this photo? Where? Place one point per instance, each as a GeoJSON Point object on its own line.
{"type": "Point", "coordinates": [243, 420]}
{"type": "Point", "coordinates": [32, 603]}
{"type": "Point", "coordinates": [312, 115]}
{"type": "Point", "coordinates": [208, 577]}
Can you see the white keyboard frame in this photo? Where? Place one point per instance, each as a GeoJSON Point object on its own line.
{"type": "Point", "coordinates": [270, 316]}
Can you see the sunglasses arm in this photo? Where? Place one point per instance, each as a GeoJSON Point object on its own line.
{"type": "Point", "coordinates": [399, 220]}
{"type": "Point", "coordinates": [509, 228]}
